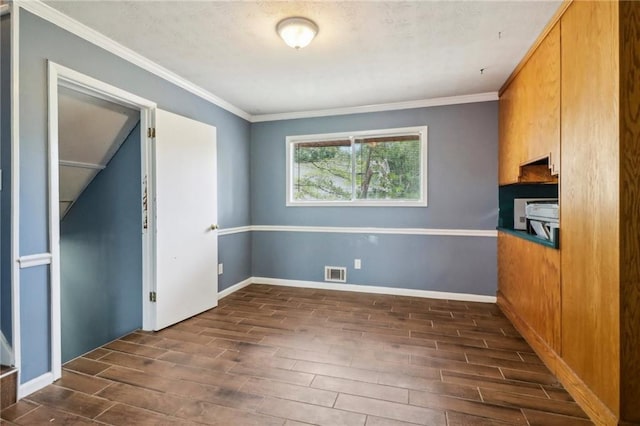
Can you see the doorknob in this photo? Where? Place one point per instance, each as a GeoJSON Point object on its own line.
{"type": "Point", "coordinates": [214, 227]}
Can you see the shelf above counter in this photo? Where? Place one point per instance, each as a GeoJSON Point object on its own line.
{"type": "Point", "coordinates": [533, 238]}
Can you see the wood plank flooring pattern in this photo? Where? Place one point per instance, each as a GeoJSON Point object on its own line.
{"type": "Point", "coordinates": [273, 355]}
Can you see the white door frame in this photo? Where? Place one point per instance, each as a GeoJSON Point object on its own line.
{"type": "Point", "coordinates": [59, 75]}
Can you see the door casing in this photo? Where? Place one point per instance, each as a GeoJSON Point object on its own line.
{"type": "Point", "coordinates": [59, 75]}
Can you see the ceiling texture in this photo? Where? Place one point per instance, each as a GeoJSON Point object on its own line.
{"type": "Point", "coordinates": [366, 52]}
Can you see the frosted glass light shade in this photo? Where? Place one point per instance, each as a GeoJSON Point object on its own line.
{"type": "Point", "coordinates": [297, 32]}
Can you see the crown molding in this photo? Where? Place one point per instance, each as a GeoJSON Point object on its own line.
{"type": "Point", "coordinates": [4, 9]}
{"type": "Point", "coordinates": [63, 21]}
{"type": "Point", "coordinates": [555, 19]}
{"type": "Point", "coordinates": [422, 103]}
{"type": "Point", "coordinates": [48, 13]}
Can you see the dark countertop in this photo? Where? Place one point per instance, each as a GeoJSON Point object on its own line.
{"type": "Point", "coordinates": [533, 238]}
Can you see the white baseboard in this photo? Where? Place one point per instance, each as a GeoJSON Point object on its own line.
{"type": "Point", "coordinates": [464, 297]}
{"type": "Point", "coordinates": [234, 288]}
{"type": "Point", "coordinates": [34, 385]}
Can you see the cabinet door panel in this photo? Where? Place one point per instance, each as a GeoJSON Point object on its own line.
{"type": "Point", "coordinates": [510, 130]}
{"type": "Point", "coordinates": [530, 112]}
{"type": "Point", "coordinates": [589, 196]}
{"type": "Point", "coordinates": [529, 278]}
{"type": "Point", "coordinates": [542, 80]}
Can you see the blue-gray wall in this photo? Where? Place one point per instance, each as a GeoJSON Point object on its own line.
{"type": "Point", "coordinates": [462, 194]}
{"type": "Point", "coordinates": [101, 256]}
{"type": "Point", "coordinates": [5, 165]}
{"type": "Point", "coordinates": [462, 189]}
{"type": "Point", "coordinates": [41, 40]}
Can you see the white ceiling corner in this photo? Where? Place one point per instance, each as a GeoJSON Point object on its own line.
{"type": "Point", "coordinates": [366, 53]}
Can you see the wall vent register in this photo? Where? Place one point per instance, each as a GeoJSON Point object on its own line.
{"type": "Point", "coordinates": [335, 274]}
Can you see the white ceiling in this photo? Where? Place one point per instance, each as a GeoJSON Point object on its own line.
{"type": "Point", "coordinates": [90, 131]}
{"type": "Point", "coordinates": [366, 52]}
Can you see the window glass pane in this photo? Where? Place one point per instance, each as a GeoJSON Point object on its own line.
{"type": "Point", "coordinates": [388, 168]}
{"type": "Point", "coordinates": [321, 171]}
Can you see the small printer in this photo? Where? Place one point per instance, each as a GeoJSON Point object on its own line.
{"type": "Point", "coordinates": [519, 210]}
{"type": "Point", "coordinates": [543, 218]}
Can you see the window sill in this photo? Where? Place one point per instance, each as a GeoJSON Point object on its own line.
{"type": "Point", "coordinates": [357, 204]}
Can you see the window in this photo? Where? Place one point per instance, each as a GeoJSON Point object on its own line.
{"type": "Point", "coordinates": [371, 168]}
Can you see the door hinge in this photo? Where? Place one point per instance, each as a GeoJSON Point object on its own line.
{"type": "Point", "coordinates": [152, 296]}
{"type": "Point", "coordinates": [151, 132]}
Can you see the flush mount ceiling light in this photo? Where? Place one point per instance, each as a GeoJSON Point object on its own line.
{"type": "Point", "coordinates": [297, 32]}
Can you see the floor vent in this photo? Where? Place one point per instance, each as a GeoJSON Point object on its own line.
{"type": "Point", "coordinates": [335, 274]}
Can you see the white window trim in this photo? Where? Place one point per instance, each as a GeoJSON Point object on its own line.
{"type": "Point", "coordinates": [422, 202]}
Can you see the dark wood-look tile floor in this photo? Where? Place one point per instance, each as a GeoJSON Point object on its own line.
{"type": "Point", "coordinates": [273, 355]}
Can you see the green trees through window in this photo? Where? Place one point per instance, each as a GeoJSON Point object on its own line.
{"type": "Point", "coordinates": [376, 167]}
{"type": "Point", "coordinates": [322, 170]}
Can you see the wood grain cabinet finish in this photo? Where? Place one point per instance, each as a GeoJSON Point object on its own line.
{"type": "Point", "coordinates": [529, 281]}
{"type": "Point", "coordinates": [596, 350]}
{"type": "Point", "coordinates": [529, 120]}
{"type": "Point", "coordinates": [589, 197]}
{"type": "Point", "coordinates": [509, 127]}
{"type": "Point", "coordinates": [629, 170]}
{"type": "Point", "coordinates": [543, 100]}
{"type": "Point", "coordinates": [600, 201]}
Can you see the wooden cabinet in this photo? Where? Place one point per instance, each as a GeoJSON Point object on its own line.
{"type": "Point", "coordinates": [542, 100]}
{"type": "Point", "coordinates": [509, 150]}
{"type": "Point", "coordinates": [579, 308]}
{"type": "Point", "coordinates": [589, 196]}
{"type": "Point", "coordinates": [529, 282]}
{"type": "Point", "coordinates": [529, 118]}
{"type": "Point", "coordinates": [599, 198]}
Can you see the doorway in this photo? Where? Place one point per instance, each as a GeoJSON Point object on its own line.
{"type": "Point", "coordinates": [175, 232]}
{"type": "Point", "coordinates": [99, 178]}
{"type": "Point", "coordinates": [97, 135]}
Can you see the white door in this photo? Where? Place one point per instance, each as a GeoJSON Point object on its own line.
{"type": "Point", "coordinates": [186, 218]}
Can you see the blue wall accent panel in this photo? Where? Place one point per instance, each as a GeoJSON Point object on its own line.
{"type": "Point", "coordinates": [422, 262]}
{"type": "Point", "coordinates": [237, 267]}
{"type": "Point", "coordinates": [35, 320]}
{"type": "Point", "coordinates": [5, 165]}
{"type": "Point", "coordinates": [462, 169]}
{"type": "Point", "coordinates": [462, 194]}
{"type": "Point", "coordinates": [101, 256]}
{"type": "Point", "coordinates": [41, 41]}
